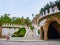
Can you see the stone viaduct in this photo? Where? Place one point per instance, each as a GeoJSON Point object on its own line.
{"type": "Point", "coordinates": [49, 24]}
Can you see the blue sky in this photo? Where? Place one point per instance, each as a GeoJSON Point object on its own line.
{"type": "Point", "coordinates": [19, 8]}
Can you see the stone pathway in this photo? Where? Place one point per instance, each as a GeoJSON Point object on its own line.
{"type": "Point", "coordinates": [51, 42]}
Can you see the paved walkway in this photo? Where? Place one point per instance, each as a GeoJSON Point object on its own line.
{"type": "Point", "coordinates": [51, 42]}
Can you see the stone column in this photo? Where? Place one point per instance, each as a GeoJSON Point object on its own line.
{"type": "Point", "coordinates": [45, 35]}
{"type": "Point", "coordinates": [45, 27]}
{"type": "Point", "coordinates": [41, 33]}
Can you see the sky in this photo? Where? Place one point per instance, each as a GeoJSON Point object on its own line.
{"type": "Point", "coordinates": [19, 8]}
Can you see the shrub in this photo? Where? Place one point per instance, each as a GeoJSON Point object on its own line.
{"type": "Point", "coordinates": [38, 31]}
{"type": "Point", "coordinates": [20, 33]}
{"type": "Point", "coordinates": [59, 15]}
{"type": "Point", "coordinates": [49, 16]}
{"type": "Point", "coordinates": [31, 27]}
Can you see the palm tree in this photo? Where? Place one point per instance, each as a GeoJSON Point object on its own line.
{"type": "Point", "coordinates": [58, 4]}
{"type": "Point", "coordinates": [28, 21]}
{"type": "Point", "coordinates": [47, 7]}
{"type": "Point", "coordinates": [42, 10]}
{"type": "Point", "coordinates": [51, 4]}
{"type": "Point", "coordinates": [33, 15]}
{"type": "Point", "coordinates": [6, 18]}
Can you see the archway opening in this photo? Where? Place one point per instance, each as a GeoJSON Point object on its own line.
{"type": "Point", "coordinates": [53, 31]}
{"type": "Point", "coordinates": [43, 35]}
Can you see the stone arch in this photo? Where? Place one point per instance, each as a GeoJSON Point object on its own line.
{"type": "Point", "coordinates": [53, 32]}
{"type": "Point", "coordinates": [47, 23]}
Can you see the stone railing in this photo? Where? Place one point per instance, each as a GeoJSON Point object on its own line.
{"type": "Point", "coordinates": [12, 25]}
{"type": "Point", "coordinates": [53, 10]}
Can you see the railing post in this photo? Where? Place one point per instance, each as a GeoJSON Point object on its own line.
{"type": "Point", "coordinates": [56, 9]}
{"type": "Point", "coordinates": [43, 14]}
{"type": "Point", "coordinates": [46, 12]}
{"type": "Point", "coordinates": [50, 10]}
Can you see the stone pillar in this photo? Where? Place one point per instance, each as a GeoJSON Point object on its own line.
{"type": "Point", "coordinates": [45, 27]}
{"type": "Point", "coordinates": [45, 35]}
{"type": "Point", "coordinates": [41, 33]}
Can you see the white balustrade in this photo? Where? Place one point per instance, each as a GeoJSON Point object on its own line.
{"type": "Point", "coordinates": [56, 9]}
{"type": "Point", "coordinates": [43, 13]}
{"type": "Point", "coordinates": [12, 25]}
{"type": "Point", "coordinates": [46, 12]}
{"type": "Point", "coordinates": [50, 10]}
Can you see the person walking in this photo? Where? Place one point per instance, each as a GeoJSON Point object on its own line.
{"type": "Point", "coordinates": [8, 36]}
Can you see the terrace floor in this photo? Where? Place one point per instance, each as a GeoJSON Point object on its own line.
{"type": "Point", "coordinates": [49, 42]}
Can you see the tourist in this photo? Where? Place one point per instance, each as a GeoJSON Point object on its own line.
{"type": "Point", "coordinates": [8, 36]}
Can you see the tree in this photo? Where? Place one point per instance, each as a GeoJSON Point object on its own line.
{"type": "Point", "coordinates": [14, 20]}
{"type": "Point", "coordinates": [42, 10]}
{"type": "Point", "coordinates": [47, 7]}
{"type": "Point", "coordinates": [1, 21]}
{"type": "Point", "coordinates": [22, 20]}
{"type": "Point", "coordinates": [51, 4]}
{"type": "Point", "coordinates": [58, 4]}
{"type": "Point", "coordinates": [32, 15]}
{"type": "Point", "coordinates": [28, 21]}
{"type": "Point", "coordinates": [18, 20]}
{"type": "Point", "coordinates": [6, 18]}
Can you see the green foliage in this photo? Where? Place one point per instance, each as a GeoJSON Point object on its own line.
{"type": "Point", "coordinates": [5, 19]}
{"type": "Point", "coordinates": [57, 2]}
{"type": "Point", "coordinates": [32, 15]}
{"type": "Point", "coordinates": [1, 22]}
{"type": "Point", "coordinates": [59, 15]}
{"type": "Point", "coordinates": [27, 21]}
{"type": "Point", "coordinates": [20, 33]}
{"type": "Point", "coordinates": [15, 34]}
{"type": "Point", "coordinates": [38, 31]}
{"type": "Point", "coordinates": [49, 16]}
{"type": "Point", "coordinates": [31, 27]}
{"type": "Point", "coordinates": [42, 10]}
{"type": "Point", "coordinates": [49, 5]}
{"type": "Point", "coordinates": [14, 20]}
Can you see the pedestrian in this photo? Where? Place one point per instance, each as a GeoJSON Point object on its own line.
{"type": "Point", "coordinates": [8, 36]}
